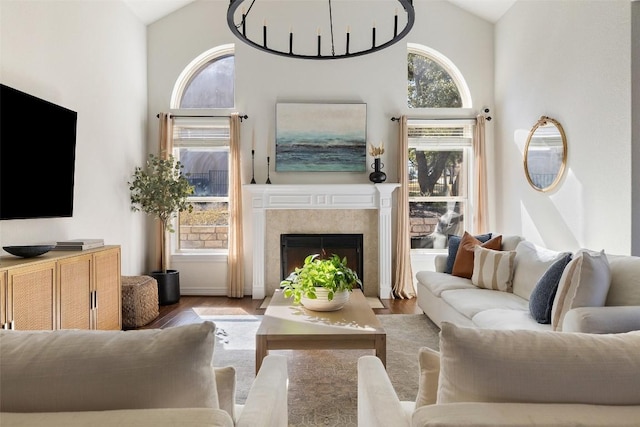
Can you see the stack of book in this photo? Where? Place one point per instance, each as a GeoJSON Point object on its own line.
{"type": "Point", "coordinates": [78, 244]}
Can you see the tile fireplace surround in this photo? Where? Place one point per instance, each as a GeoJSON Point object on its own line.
{"type": "Point", "coordinates": [286, 209]}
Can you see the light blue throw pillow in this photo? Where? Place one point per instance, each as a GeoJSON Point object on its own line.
{"type": "Point", "coordinates": [542, 296]}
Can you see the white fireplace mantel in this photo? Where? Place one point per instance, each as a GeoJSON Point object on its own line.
{"type": "Point", "coordinates": [325, 196]}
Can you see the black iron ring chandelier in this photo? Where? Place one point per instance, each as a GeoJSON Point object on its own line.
{"type": "Point", "coordinates": [239, 29]}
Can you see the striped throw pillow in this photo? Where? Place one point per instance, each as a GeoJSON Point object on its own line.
{"type": "Point", "coordinates": [493, 269]}
{"type": "Point", "coordinates": [585, 282]}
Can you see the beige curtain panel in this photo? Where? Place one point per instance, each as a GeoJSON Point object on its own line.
{"type": "Point", "coordinates": [403, 283]}
{"type": "Point", "coordinates": [480, 166]}
{"type": "Point", "coordinates": [161, 235]}
{"type": "Point", "coordinates": [235, 266]}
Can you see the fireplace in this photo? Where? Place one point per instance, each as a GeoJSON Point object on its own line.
{"type": "Point", "coordinates": [294, 248]}
{"type": "Point", "coordinates": [305, 209]}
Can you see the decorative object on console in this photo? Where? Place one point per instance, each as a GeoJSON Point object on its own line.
{"type": "Point", "coordinates": [545, 154]}
{"type": "Point", "coordinates": [253, 179]}
{"type": "Point", "coordinates": [377, 176]}
{"type": "Point", "coordinates": [78, 244]}
{"type": "Point", "coordinates": [28, 251]}
{"type": "Point", "coordinates": [321, 137]}
{"type": "Point", "coordinates": [268, 170]}
{"type": "Point", "coordinates": [162, 190]}
{"type": "Point", "coordinates": [327, 280]}
{"type": "Point", "coordinates": [240, 30]}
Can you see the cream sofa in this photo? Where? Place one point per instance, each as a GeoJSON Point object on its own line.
{"type": "Point", "coordinates": [503, 378]}
{"type": "Point", "coordinates": [448, 298]}
{"type": "Point", "coordinates": [131, 378]}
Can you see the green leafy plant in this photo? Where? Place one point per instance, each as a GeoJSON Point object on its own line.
{"type": "Point", "coordinates": [161, 190]}
{"type": "Point", "coordinates": [332, 274]}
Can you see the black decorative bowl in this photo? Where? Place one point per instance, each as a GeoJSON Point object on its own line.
{"type": "Point", "coordinates": [28, 251]}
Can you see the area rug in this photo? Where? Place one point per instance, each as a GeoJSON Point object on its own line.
{"type": "Point", "coordinates": [323, 383]}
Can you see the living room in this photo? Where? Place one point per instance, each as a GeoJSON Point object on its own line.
{"type": "Point", "coordinates": [569, 60]}
{"type": "Point", "coordinates": [575, 61]}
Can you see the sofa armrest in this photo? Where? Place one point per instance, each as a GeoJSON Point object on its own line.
{"type": "Point", "coordinates": [266, 404]}
{"type": "Point", "coordinates": [378, 403]}
{"type": "Point", "coordinates": [602, 320]}
{"type": "Point", "coordinates": [440, 262]}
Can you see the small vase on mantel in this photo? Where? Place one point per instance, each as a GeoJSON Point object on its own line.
{"type": "Point", "coordinates": [377, 176]}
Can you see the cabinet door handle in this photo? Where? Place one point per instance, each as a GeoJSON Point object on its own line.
{"type": "Point", "coordinates": [95, 299]}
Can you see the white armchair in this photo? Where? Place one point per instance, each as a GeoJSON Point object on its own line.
{"type": "Point", "coordinates": [511, 378]}
{"type": "Point", "coordinates": [131, 378]}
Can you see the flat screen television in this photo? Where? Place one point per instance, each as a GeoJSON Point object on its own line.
{"type": "Point", "coordinates": [37, 157]}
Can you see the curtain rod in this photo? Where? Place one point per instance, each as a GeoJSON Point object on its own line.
{"type": "Point", "coordinates": [397, 119]}
{"type": "Point", "coordinates": [242, 116]}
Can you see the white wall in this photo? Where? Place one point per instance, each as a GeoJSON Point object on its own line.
{"type": "Point", "coordinates": [571, 61]}
{"type": "Point", "coordinates": [89, 57]}
{"type": "Point", "coordinates": [262, 80]}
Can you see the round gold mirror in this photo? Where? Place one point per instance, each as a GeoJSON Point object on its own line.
{"type": "Point", "coordinates": [545, 155]}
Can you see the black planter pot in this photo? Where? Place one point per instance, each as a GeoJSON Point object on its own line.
{"type": "Point", "coordinates": [168, 286]}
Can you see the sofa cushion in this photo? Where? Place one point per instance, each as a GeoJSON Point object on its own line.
{"type": "Point", "coordinates": [483, 365]}
{"type": "Point", "coordinates": [463, 264]}
{"type": "Point", "coordinates": [541, 299]}
{"type": "Point", "coordinates": [429, 362]}
{"type": "Point", "coordinates": [504, 318]}
{"type": "Point", "coordinates": [439, 282]}
{"type": "Point", "coordinates": [532, 261]}
{"type": "Point", "coordinates": [625, 280]}
{"type": "Point", "coordinates": [470, 302]}
{"type": "Point", "coordinates": [186, 417]}
{"type": "Point", "coordinates": [474, 414]}
{"type": "Point", "coordinates": [584, 283]}
{"type": "Point", "coordinates": [74, 370]}
{"type": "Point", "coordinates": [454, 244]}
{"type": "Point", "coordinates": [492, 269]}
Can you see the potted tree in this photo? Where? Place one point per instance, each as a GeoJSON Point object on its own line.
{"type": "Point", "coordinates": [321, 284]}
{"type": "Point", "coordinates": [161, 190]}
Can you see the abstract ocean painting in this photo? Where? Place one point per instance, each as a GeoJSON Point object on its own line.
{"type": "Point", "coordinates": [321, 137]}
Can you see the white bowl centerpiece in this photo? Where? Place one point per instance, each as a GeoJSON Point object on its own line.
{"type": "Point", "coordinates": [321, 284]}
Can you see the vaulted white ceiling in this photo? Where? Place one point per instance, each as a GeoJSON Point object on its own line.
{"type": "Point", "coordinates": [151, 10]}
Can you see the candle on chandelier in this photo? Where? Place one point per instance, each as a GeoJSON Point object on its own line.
{"type": "Point", "coordinates": [373, 35]}
{"type": "Point", "coordinates": [264, 33]}
{"type": "Point", "coordinates": [290, 40]}
{"type": "Point", "coordinates": [395, 23]}
{"type": "Point", "coordinates": [348, 37]}
{"type": "Point", "coordinates": [244, 17]}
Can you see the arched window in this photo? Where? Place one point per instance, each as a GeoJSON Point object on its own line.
{"type": "Point", "coordinates": [201, 143]}
{"type": "Point", "coordinates": [434, 81]}
{"type": "Point", "coordinates": [208, 81]}
{"type": "Point", "coordinates": [439, 151]}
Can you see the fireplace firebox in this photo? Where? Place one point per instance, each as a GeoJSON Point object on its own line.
{"type": "Point", "coordinates": [294, 248]}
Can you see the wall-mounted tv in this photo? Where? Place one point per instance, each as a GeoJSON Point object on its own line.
{"type": "Point", "coordinates": [37, 157]}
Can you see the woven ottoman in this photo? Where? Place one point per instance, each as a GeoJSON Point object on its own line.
{"type": "Point", "coordinates": [139, 301]}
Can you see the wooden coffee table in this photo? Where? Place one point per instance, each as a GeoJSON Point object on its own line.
{"type": "Point", "coordinates": [292, 327]}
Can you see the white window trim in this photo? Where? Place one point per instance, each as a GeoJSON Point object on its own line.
{"type": "Point", "coordinates": [467, 147]}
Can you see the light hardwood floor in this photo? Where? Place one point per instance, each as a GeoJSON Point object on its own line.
{"type": "Point", "coordinates": [185, 311]}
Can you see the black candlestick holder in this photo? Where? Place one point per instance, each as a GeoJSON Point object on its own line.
{"type": "Point", "coordinates": [268, 162]}
{"type": "Point", "coordinates": [253, 179]}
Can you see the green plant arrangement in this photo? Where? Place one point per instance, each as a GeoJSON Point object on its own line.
{"type": "Point", "coordinates": [161, 190]}
{"type": "Point", "coordinates": [331, 274]}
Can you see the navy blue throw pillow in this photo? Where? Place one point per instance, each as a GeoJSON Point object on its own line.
{"type": "Point", "coordinates": [454, 244]}
{"type": "Point", "coordinates": [542, 296]}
